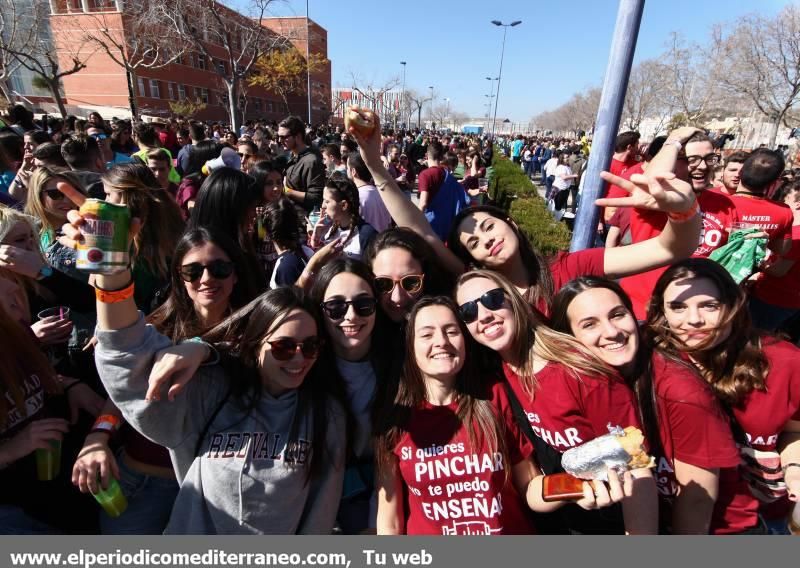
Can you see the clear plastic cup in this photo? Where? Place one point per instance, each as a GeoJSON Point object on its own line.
{"type": "Point", "coordinates": [112, 500]}
{"type": "Point", "coordinates": [62, 312]}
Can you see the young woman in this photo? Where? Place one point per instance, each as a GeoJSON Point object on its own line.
{"type": "Point", "coordinates": [564, 177]}
{"type": "Point", "coordinates": [135, 185]}
{"type": "Point", "coordinates": [257, 441]}
{"type": "Point", "coordinates": [48, 204]}
{"type": "Point", "coordinates": [686, 427]}
{"type": "Point", "coordinates": [451, 459]}
{"type": "Point", "coordinates": [282, 228]}
{"type": "Point", "coordinates": [487, 237]}
{"type": "Point", "coordinates": [568, 397]}
{"type": "Point", "coordinates": [341, 203]}
{"type": "Point", "coordinates": [699, 313]}
{"type": "Point", "coordinates": [205, 288]}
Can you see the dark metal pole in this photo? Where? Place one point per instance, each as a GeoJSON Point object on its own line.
{"type": "Point", "coordinates": [623, 47]}
{"type": "Point", "coordinates": [499, 75]}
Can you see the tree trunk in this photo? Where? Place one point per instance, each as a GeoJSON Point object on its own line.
{"type": "Point", "coordinates": [773, 131]}
{"type": "Point", "coordinates": [419, 116]}
{"type": "Point", "coordinates": [282, 93]}
{"type": "Point", "coordinates": [6, 92]}
{"type": "Point", "coordinates": [129, 75]}
{"type": "Point", "coordinates": [56, 92]}
{"type": "Point", "coordinates": [233, 105]}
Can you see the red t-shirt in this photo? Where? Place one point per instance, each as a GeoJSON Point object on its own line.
{"type": "Point", "coordinates": [453, 489]}
{"type": "Point", "coordinates": [619, 168]}
{"type": "Point", "coordinates": [719, 214]}
{"type": "Point", "coordinates": [773, 217]}
{"type": "Point", "coordinates": [783, 291]}
{"type": "Point", "coordinates": [694, 429]}
{"type": "Point", "coordinates": [569, 410]}
{"type": "Point", "coordinates": [430, 180]}
{"type": "Point", "coordinates": [566, 266]}
{"type": "Point", "coordinates": [763, 416]}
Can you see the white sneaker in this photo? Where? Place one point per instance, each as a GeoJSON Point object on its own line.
{"type": "Point", "coordinates": [569, 215]}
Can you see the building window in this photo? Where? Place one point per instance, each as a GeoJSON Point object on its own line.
{"type": "Point", "coordinates": [201, 61]}
{"type": "Point", "coordinates": [204, 95]}
{"type": "Point", "coordinates": [140, 84]}
{"type": "Point", "coordinates": [171, 91]}
{"type": "Point", "coordinates": [257, 104]}
{"type": "Point", "coordinates": [221, 67]}
{"type": "Point", "coordinates": [269, 106]}
{"type": "Point", "coordinates": [155, 92]}
{"type": "Point", "coordinates": [181, 92]}
{"type": "Point", "coordinates": [191, 59]}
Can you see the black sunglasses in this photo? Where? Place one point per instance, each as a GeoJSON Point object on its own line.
{"type": "Point", "coordinates": [54, 194]}
{"type": "Point", "coordinates": [337, 309]}
{"type": "Point", "coordinates": [284, 349]}
{"type": "Point", "coordinates": [219, 269]}
{"type": "Point", "coordinates": [492, 300]}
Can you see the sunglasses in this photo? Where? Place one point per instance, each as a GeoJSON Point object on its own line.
{"type": "Point", "coordinates": [337, 309]}
{"type": "Point", "coordinates": [492, 300]}
{"type": "Point", "coordinates": [284, 349]}
{"type": "Point", "coordinates": [54, 194]}
{"type": "Point", "coordinates": [411, 283]}
{"type": "Point", "coordinates": [98, 136]}
{"type": "Point", "coordinates": [219, 269]}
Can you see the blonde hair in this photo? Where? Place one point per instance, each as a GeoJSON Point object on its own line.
{"type": "Point", "coordinates": [534, 338]}
{"type": "Point", "coordinates": [34, 206]}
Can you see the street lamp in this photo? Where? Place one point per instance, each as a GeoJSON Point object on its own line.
{"type": "Point", "coordinates": [500, 74]}
{"type": "Point", "coordinates": [308, 64]}
{"type": "Point", "coordinates": [447, 109]}
{"type": "Point", "coordinates": [403, 94]}
{"type": "Point", "coordinates": [431, 99]}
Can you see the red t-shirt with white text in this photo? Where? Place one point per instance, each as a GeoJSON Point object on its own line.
{"type": "Point", "coordinates": [772, 217]}
{"type": "Point", "coordinates": [569, 410]}
{"type": "Point", "coordinates": [783, 291]}
{"type": "Point", "coordinates": [453, 489]}
{"type": "Point", "coordinates": [763, 416]}
{"type": "Point", "coordinates": [719, 214]}
{"type": "Point", "coordinates": [695, 430]}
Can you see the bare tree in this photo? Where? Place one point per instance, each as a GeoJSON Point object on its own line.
{"type": "Point", "coordinates": [144, 42]}
{"type": "Point", "coordinates": [414, 102]}
{"type": "Point", "coordinates": [17, 33]}
{"type": "Point", "coordinates": [40, 57]}
{"type": "Point", "coordinates": [374, 92]}
{"type": "Point", "coordinates": [644, 98]}
{"type": "Point", "coordinates": [760, 63]}
{"type": "Point", "coordinates": [231, 42]}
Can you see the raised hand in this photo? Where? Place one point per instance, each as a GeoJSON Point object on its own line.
{"type": "Point", "coordinates": [659, 192]}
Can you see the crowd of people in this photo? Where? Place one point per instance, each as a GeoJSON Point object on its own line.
{"type": "Point", "coordinates": [322, 331]}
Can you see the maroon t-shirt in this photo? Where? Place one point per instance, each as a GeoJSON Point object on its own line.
{"type": "Point", "coordinates": [430, 180]}
{"type": "Point", "coordinates": [566, 266]}
{"type": "Point", "coordinates": [454, 488]}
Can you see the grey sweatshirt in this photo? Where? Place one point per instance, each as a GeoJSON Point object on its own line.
{"type": "Point", "coordinates": [243, 481]}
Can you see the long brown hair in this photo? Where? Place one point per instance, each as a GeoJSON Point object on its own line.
{"type": "Point", "coordinates": [474, 410]}
{"type": "Point", "coordinates": [162, 223]}
{"type": "Point", "coordinates": [21, 358]}
{"type": "Point", "coordinates": [533, 338]}
{"type": "Point", "coordinates": [735, 366]}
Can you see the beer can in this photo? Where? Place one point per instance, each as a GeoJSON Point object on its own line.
{"type": "Point", "coordinates": [105, 237]}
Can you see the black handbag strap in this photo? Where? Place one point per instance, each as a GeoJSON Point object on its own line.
{"type": "Point", "coordinates": [548, 458]}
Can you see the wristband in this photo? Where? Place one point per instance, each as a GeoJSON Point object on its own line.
{"type": "Point", "coordinates": [684, 215]}
{"type": "Point", "coordinates": [788, 465]}
{"type": "Point", "coordinates": [676, 143]}
{"type": "Point", "coordinates": [106, 423]}
{"type": "Point", "coordinates": [114, 296]}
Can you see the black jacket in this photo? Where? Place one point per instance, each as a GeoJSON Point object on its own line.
{"type": "Point", "coordinates": [306, 172]}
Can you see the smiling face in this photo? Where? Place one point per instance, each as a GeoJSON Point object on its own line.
{"type": "Point", "coordinates": [279, 376]}
{"type": "Point", "coordinates": [207, 291]}
{"type": "Point", "coordinates": [439, 346]}
{"type": "Point", "coordinates": [699, 173]}
{"type": "Point", "coordinates": [55, 202]}
{"type": "Point", "coordinates": [602, 323]}
{"type": "Point", "coordinates": [693, 311]}
{"type": "Point", "coordinates": [492, 328]}
{"type": "Point", "coordinates": [395, 263]}
{"type": "Point", "coordinates": [351, 335]}
{"type": "Point", "coordinates": [490, 241]}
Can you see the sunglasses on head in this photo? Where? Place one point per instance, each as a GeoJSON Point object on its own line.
{"type": "Point", "coordinates": [337, 309]}
{"type": "Point", "coordinates": [54, 194]}
{"type": "Point", "coordinates": [412, 283]}
{"type": "Point", "coordinates": [284, 349]}
{"type": "Point", "coordinates": [219, 269]}
{"type": "Point", "coordinates": [492, 300]}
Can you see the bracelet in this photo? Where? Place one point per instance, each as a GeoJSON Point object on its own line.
{"type": "Point", "coordinates": [685, 215]}
{"type": "Point", "coordinates": [114, 296]}
{"type": "Point", "coordinates": [107, 423]}
{"type": "Point", "coordinates": [788, 465]}
{"type": "Point", "coordinates": [673, 142]}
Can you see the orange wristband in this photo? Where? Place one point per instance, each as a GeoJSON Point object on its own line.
{"type": "Point", "coordinates": [106, 423]}
{"type": "Point", "coordinates": [685, 215]}
{"type": "Point", "coordinates": [114, 296]}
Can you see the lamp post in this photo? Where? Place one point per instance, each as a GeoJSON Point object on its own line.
{"type": "Point", "coordinates": [447, 110]}
{"type": "Point", "coordinates": [490, 96]}
{"type": "Point", "coordinates": [403, 93]}
{"type": "Point", "coordinates": [500, 74]}
{"type": "Point", "coordinates": [308, 64]}
{"type": "Point", "coordinates": [431, 99]}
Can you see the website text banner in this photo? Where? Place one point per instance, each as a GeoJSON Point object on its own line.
{"type": "Point", "coordinates": [375, 552]}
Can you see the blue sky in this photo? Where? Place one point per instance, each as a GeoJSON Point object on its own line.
{"type": "Point", "coordinates": [560, 47]}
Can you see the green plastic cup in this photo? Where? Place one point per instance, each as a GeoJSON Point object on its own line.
{"type": "Point", "coordinates": [112, 500]}
{"type": "Point", "coordinates": [48, 462]}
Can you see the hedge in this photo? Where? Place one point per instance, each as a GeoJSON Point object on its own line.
{"type": "Point", "coordinates": [512, 190]}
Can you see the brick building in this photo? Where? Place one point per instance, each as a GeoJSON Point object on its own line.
{"type": "Point", "coordinates": [103, 83]}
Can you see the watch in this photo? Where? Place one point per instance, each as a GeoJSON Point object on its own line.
{"type": "Point", "coordinates": [44, 272]}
